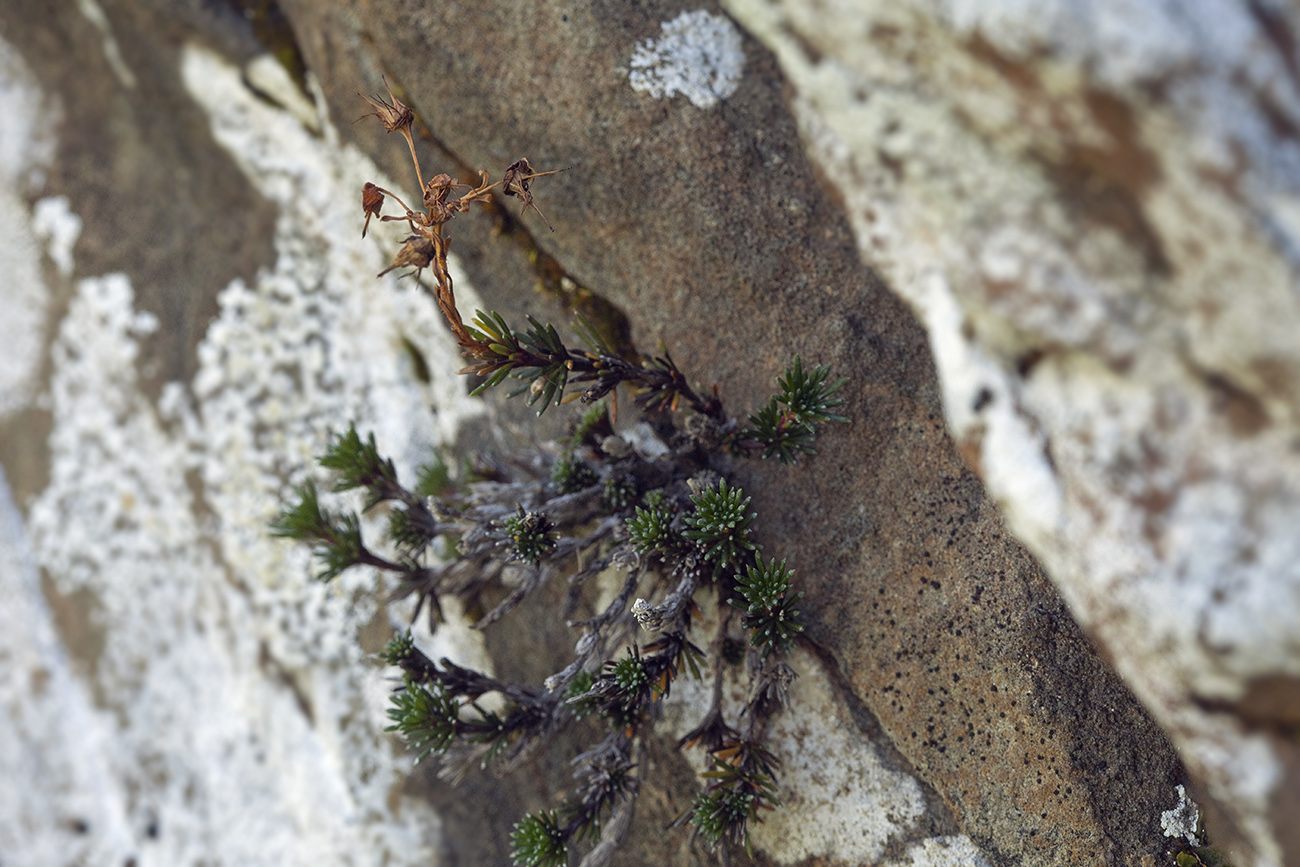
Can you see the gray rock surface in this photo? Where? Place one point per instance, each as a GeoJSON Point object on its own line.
{"type": "Point", "coordinates": [217, 314]}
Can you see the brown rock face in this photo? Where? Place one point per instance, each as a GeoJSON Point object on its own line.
{"type": "Point", "coordinates": [711, 231]}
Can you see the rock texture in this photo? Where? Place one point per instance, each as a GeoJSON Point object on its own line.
{"type": "Point", "coordinates": [214, 314]}
{"type": "Point", "coordinates": [1094, 212]}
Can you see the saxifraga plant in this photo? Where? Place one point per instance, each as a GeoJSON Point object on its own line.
{"type": "Point", "coordinates": [674, 524]}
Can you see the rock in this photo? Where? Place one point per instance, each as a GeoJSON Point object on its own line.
{"type": "Point", "coordinates": [723, 197]}
{"type": "Point", "coordinates": [1092, 215]}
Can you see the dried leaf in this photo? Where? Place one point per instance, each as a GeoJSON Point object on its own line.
{"type": "Point", "coordinates": [371, 201]}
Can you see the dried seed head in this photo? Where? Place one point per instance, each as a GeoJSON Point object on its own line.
{"type": "Point", "coordinates": [371, 201]}
{"type": "Point", "coordinates": [435, 197]}
{"type": "Point", "coordinates": [518, 181]}
{"type": "Point", "coordinates": [393, 115]}
{"type": "Point", "coordinates": [416, 253]}
{"type": "Point", "coordinates": [438, 188]}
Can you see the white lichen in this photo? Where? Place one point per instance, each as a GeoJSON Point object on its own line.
{"type": "Point", "coordinates": [238, 719]}
{"type": "Point", "coordinates": [1183, 820]}
{"type": "Point", "coordinates": [58, 228]}
{"type": "Point", "coordinates": [26, 149]}
{"type": "Point", "coordinates": [699, 55]}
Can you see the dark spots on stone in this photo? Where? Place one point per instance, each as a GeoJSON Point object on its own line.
{"type": "Point", "coordinates": [977, 594]}
{"type": "Point", "coordinates": [1244, 412]}
{"type": "Point", "coordinates": [1270, 702]}
{"type": "Point", "coordinates": [1103, 184]}
{"type": "Point", "coordinates": [1155, 505]}
{"type": "Point", "coordinates": [1277, 374]}
{"type": "Point", "coordinates": [983, 398]}
{"type": "Point", "coordinates": [1279, 119]}
{"type": "Point", "coordinates": [152, 830]}
{"type": "Point", "coordinates": [1027, 361]}
{"type": "Point", "coordinates": [79, 826]}
{"type": "Point", "coordinates": [808, 49]}
{"type": "Point", "coordinates": [1278, 31]}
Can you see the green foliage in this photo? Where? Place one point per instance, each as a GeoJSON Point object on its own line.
{"type": "Point", "coordinates": [409, 528]}
{"type": "Point", "coordinates": [571, 474]}
{"type": "Point", "coordinates": [591, 424]}
{"type": "Point", "coordinates": [437, 708]}
{"type": "Point", "coordinates": [719, 524]}
{"type": "Point", "coordinates": [398, 649]}
{"type": "Point", "coordinates": [770, 612]}
{"type": "Point", "coordinates": [425, 717]}
{"type": "Point", "coordinates": [721, 813]}
{"type": "Point", "coordinates": [763, 585]}
{"type": "Point", "coordinates": [618, 494]}
{"type": "Point", "coordinates": [434, 479]}
{"type": "Point", "coordinates": [781, 436]}
{"type": "Point", "coordinates": [629, 673]}
{"type": "Point", "coordinates": [741, 783]}
{"type": "Point", "coordinates": [808, 395]}
{"type": "Point", "coordinates": [775, 628]}
{"type": "Point", "coordinates": [651, 530]}
{"type": "Point", "coordinates": [539, 841]}
{"type": "Point", "coordinates": [335, 539]}
{"type": "Point", "coordinates": [530, 535]}
{"type": "Point", "coordinates": [537, 355]}
{"type": "Point", "coordinates": [357, 464]}
{"type": "Point", "coordinates": [787, 426]}
{"type": "Point", "coordinates": [581, 684]}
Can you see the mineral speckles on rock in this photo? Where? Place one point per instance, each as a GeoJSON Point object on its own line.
{"type": "Point", "coordinates": [699, 56]}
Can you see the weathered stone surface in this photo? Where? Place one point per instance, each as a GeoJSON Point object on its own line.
{"type": "Point", "coordinates": [1093, 211]}
{"type": "Point", "coordinates": [950, 710]}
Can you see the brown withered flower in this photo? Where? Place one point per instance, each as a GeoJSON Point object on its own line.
{"type": "Point", "coordinates": [435, 197]}
{"type": "Point", "coordinates": [518, 181]}
{"type": "Point", "coordinates": [371, 201]}
{"type": "Point", "coordinates": [416, 253]}
{"type": "Point", "coordinates": [396, 116]}
{"type": "Point", "coordinates": [393, 115]}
